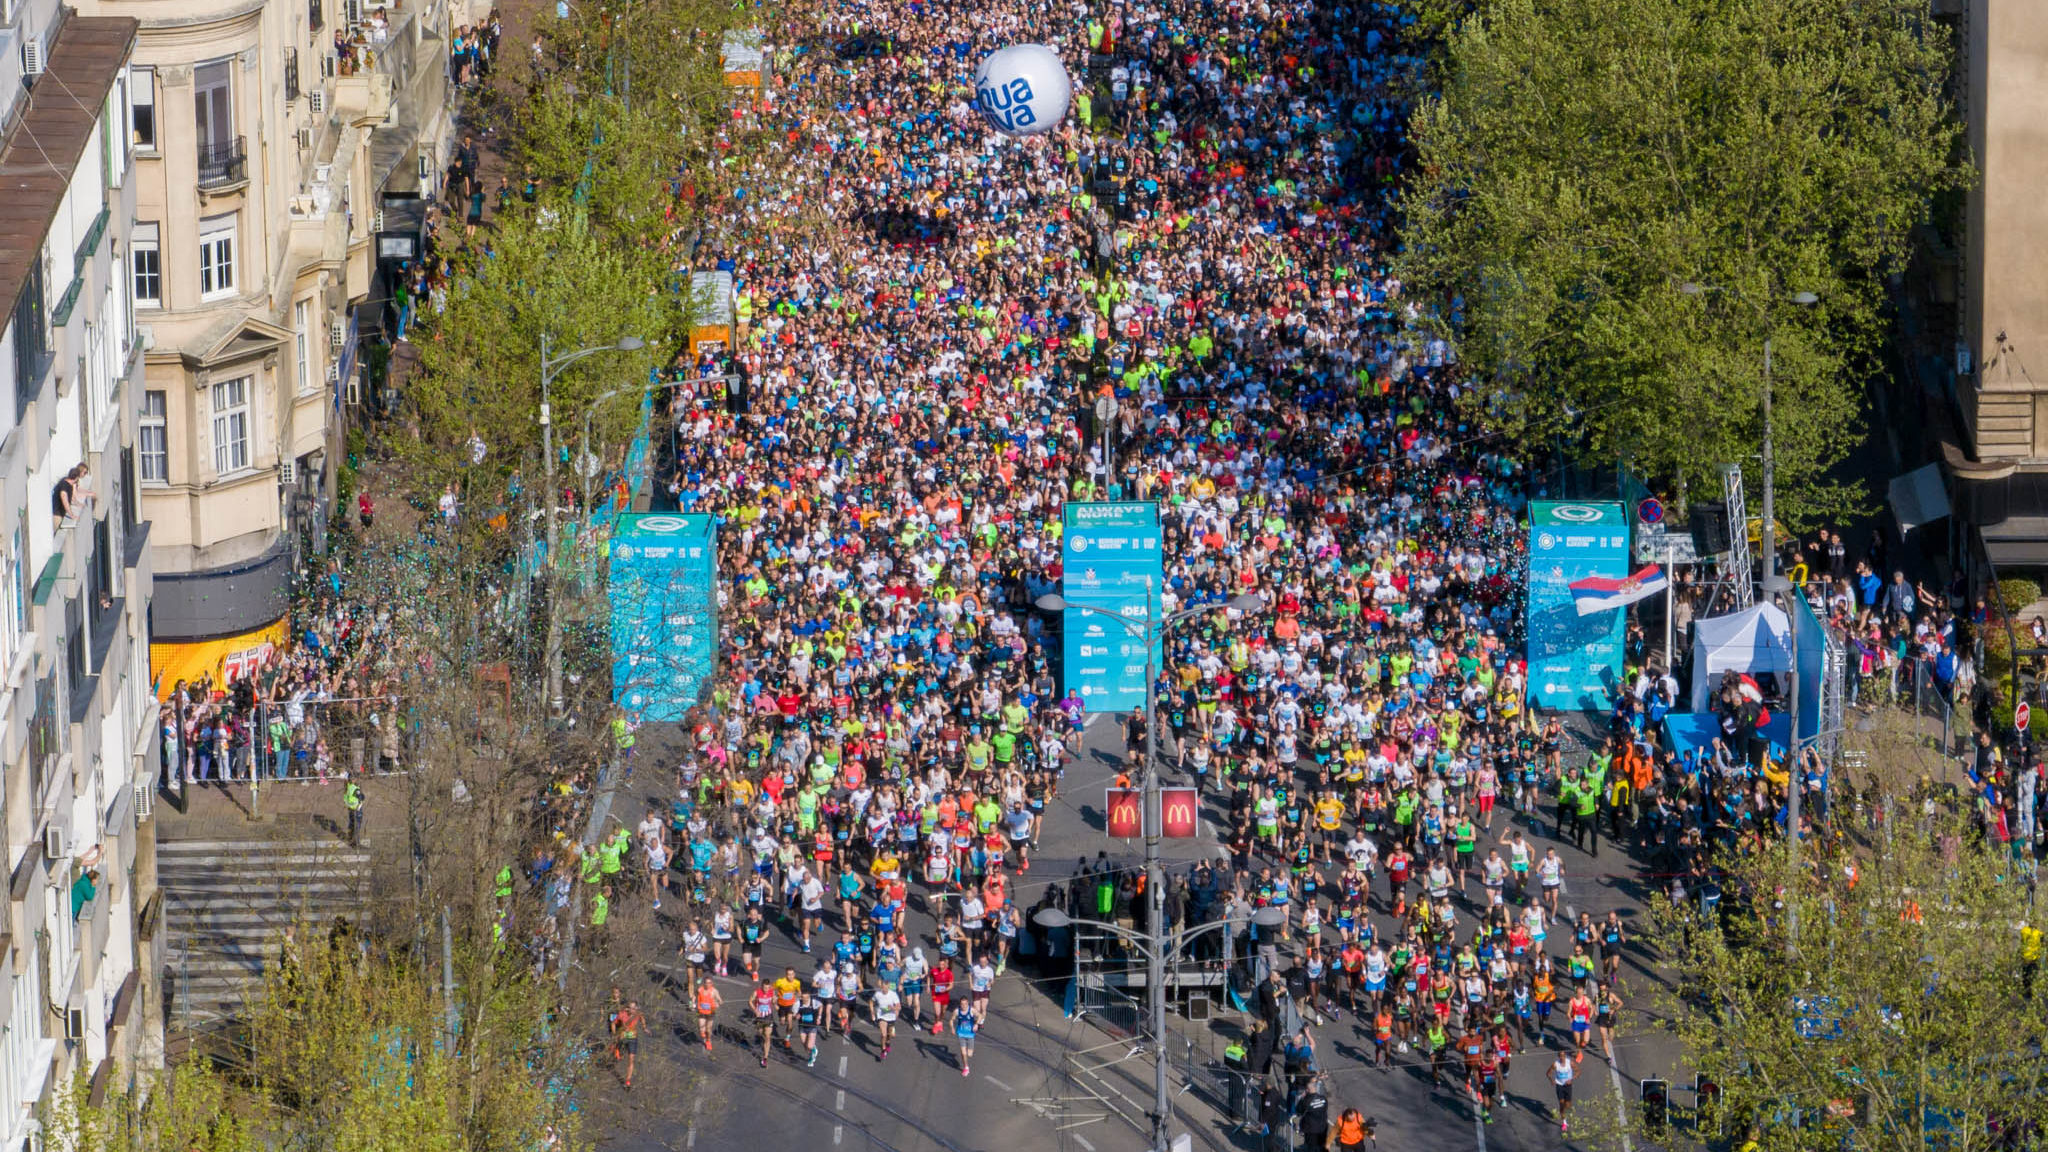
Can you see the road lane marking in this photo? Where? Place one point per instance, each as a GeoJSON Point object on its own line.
{"type": "Point", "coordinates": [838, 1132]}
{"type": "Point", "coordinates": [690, 1140]}
{"type": "Point", "coordinates": [842, 1067]}
{"type": "Point", "coordinates": [1083, 1142]}
{"type": "Point", "coordinates": [1620, 1098]}
{"type": "Point", "coordinates": [839, 1102]}
{"type": "Point", "coordinates": [997, 1083]}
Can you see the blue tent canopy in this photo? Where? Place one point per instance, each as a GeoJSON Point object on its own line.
{"type": "Point", "coordinates": [1686, 731]}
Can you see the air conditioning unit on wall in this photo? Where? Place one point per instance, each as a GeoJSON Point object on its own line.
{"type": "Point", "coordinates": [55, 846]}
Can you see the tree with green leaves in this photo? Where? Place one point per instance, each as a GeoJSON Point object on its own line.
{"type": "Point", "coordinates": [1617, 204]}
{"type": "Point", "coordinates": [349, 1048]}
{"type": "Point", "coordinates": [629, 137]}
{"type": "Point", "coordinates": [1878, 998]}
{"type": "Point", "coordinates": [547, 276]}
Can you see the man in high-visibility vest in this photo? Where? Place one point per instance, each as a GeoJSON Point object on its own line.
{"type": "Point", "coordinates": [352, 799]}
{"type": "Point", "coordinates": [612, 854]}
{"type": "Point", "coordinates": [2030, 955]}
{"type": "Point", "coordinates": [600, 913]}
{"type": "Point", "coordinates": [623, 738]}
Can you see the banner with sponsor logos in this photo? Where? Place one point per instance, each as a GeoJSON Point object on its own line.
{"type": "Point", "coordinates": [664, 601]}
{"type": "Point", "coordinates": [1180, 813]}
{"type": "Point", "coordinates": [1120, 813]}
{"type": "Point", "coordinates": [1112, 567]}
{"type": "Point", "coordinates": [1574, 660]}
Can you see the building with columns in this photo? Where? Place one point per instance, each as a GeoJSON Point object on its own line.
{"type": "Point", "coordinates": [271, 137]}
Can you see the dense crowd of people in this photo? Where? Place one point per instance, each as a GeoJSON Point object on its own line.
{"type": "Point", "coordinates": [322, 703]}
{"type": "Point", "coordinates": [1206, 240]}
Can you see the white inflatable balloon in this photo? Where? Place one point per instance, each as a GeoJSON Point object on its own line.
{"type": "Point", "coordinates": [1022, 90]}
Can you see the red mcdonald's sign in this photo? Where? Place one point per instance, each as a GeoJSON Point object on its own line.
{"type": "Point", "coordinates": [1123, 813]}
{"type": "Point", "coordinates": [1181, 811]}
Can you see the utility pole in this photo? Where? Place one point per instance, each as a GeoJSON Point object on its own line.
{"type": "Point", "coordinates": [1155, 936]}
{"type": "Point", "coordinates": [448, 975]}
{"type": "Point", "coordinates": [547, 452]}
{"type": "Point", "coordinates": [548, 368]}
{"type": "Point", "coordinates": [1795, 778]}
{"type": "Point", "coordinates": [1767, 535]}
{"type": "Point", "coordinates": [1155, 899]}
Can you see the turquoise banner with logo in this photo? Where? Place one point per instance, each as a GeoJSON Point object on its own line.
{"type": "Point", "coordinates": [1574, 660]}
{"type": "Point", "coordinates": [1111, 571]}
{"type": "Point", "coordinates": [664, 601]}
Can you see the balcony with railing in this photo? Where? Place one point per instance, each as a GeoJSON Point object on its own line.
{"type": "Point", "coordinates": [223, 164]}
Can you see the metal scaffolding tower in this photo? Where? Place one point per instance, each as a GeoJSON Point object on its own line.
{"type": "Point", "coordinates": [1739, 571]}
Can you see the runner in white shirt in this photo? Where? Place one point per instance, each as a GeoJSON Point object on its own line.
{"type": "Point", "coordinates": [1550, 873]}
{"type": "Point", "coordinates": [981, 976]}
{"type": "Point", "coordinates": [825, 986]}
{"type": "Point", "coordinates": [887, 1005]}
{"type": "Point", "coordinates": [811, 893]}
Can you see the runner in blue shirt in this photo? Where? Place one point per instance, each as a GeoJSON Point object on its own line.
{"type": "Point", "coordinates": [963, 1029]}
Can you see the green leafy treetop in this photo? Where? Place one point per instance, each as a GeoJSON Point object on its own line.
{"type": "Point", "coordinates": [1588, 159]}
{"type": "Point", "coordinates": [1873, 998]}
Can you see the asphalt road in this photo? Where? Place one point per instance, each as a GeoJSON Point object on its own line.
{"type": "Point", "coordinates": [1037, 1077]}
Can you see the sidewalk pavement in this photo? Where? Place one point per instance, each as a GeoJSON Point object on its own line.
{"type": "Point", "coordinates": [289, 809]}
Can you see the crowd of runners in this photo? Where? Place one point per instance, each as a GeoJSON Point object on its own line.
{"type": "Point", "coordinates": [1206, 240]}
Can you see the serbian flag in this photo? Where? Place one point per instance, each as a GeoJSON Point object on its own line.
{"type": "Point", "coordinates": [1600, 593]}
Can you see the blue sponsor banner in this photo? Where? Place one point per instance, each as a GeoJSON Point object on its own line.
{"type": "Point", "coordinates": [664, 600]}
{"type": "Point", "coordinates": [1574, 660]}
{"type": "Point", "coordinates": [1110, 562]}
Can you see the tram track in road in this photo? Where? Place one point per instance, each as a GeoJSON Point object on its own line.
{"type": "Point", "coordinates": [1061, 1073]}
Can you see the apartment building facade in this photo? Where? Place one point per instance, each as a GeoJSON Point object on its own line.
{"type": "Point", "coordinates": [78, 720]}
{"type": "Point", "coordinates": [267, 134]}
{"type": "Point", "coordinates": [1982, 316]}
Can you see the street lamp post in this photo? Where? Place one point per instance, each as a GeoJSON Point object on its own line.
{"type": "Point", "coordinates": [1155, 955]}
{"type": "Point", "coordinates": [1795, 778]}
{"type": "Point", "coordinates": [1155, 944]}
{"type": "Point", "coordinates": [1767, 533]}
{"type": "Point", "coordinates": [731, 380]}
{"type": "Point", "coordinates": [549, 369]}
